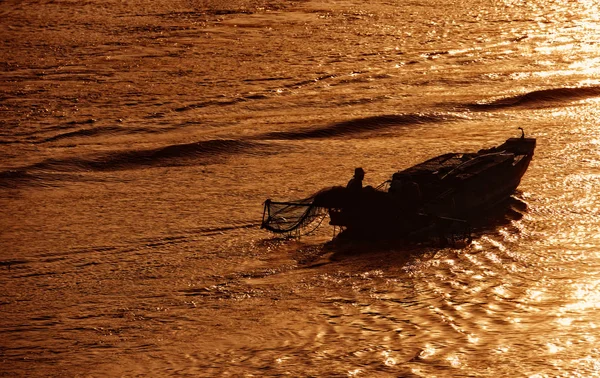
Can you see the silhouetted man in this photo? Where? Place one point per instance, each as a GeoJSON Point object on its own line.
{"type": "Point", "coordinates": [355, 183]}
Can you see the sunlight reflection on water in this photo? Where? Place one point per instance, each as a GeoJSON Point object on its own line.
{"type": "Point", "coordinates": [114, 267]}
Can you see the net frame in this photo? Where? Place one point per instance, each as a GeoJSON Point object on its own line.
{"type": "Point", "coordinates": [291, 216]}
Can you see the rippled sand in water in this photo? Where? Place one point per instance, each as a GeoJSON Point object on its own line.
{"type": "Point", "coordinates": [138, 141]}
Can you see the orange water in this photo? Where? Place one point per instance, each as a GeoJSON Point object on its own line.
{"type": "Point", "coordinates": [139, 140]}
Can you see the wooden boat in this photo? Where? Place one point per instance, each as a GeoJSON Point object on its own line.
{"type": "Point", "coordinates": [442, 194]}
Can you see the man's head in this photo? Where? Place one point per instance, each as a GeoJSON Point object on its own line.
{"type": "Point", "coordinates": [359, 173]}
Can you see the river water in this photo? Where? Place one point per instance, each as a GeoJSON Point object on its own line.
{"type": "Point", "coordinates": [139, 140]}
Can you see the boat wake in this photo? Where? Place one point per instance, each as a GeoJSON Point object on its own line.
{"type": "Point", "coordinates": [362, 125]}
{"type": "Point", "coordinates": [540, 99]}
{"type": "Point", "coordinates": [197, 153]}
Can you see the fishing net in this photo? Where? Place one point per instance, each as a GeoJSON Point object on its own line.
{"type": "Point", "coordinates": [292, 216]}
{"type": "Point", "coordinates": [297, 216]}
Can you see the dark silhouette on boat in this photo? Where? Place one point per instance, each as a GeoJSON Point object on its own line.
{"type": "Point", "coordinates": [440, 197]}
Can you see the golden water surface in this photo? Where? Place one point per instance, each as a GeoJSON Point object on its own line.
{"type": "Point", "coordinates": [139, 139]}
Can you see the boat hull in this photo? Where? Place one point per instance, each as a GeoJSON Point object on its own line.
{"type": "Point", "coordinates": [441, 195]}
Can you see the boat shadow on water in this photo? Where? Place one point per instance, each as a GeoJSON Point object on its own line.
{"type": "Point", "coordinates": [375, 253]}
{"type": "Point", "coordinates": [450, 235]}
